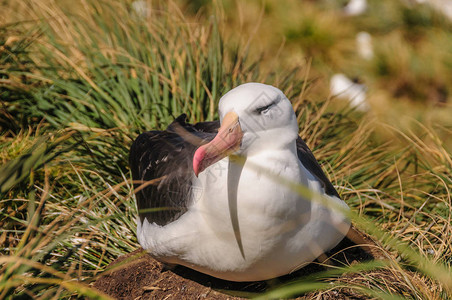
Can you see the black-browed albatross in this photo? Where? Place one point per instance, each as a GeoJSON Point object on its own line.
{"type": "Point", "coordinates": [224, 217]}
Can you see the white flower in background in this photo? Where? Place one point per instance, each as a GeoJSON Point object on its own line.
{"type": "Point", "coordinates": [355, 7]}
{"type": "Point", "coordinates": [364, 45]}
{"type": "Point", "coordinates": [342, 87]}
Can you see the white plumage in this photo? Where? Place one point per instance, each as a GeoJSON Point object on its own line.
{"type": "Point", "coordinates": [364, 45]}
{"type": "Point", "coordinates": [355, 7]}
{"type": "Point", "coordinates": [342, 87]}
{"type": "Point", "coordinates": [241, 224]}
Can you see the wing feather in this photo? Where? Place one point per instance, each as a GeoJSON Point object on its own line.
{"type": "Point", "coordinates": [167, 158]}
{"type": "Point", "coordinates": [309, 162]}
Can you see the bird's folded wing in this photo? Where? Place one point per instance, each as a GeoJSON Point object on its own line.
{"type": "Point", "coordinates": [161, 164]}
{"type": "Point", "coordinates": [309, 162]}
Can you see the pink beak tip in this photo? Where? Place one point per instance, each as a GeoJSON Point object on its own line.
{"type": "Point", "coordinates": [198, 157]}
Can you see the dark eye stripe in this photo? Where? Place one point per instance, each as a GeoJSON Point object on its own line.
{"type": "Point", "coordinates": [261, 109]}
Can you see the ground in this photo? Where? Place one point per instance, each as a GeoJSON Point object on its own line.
{"type": "Point", "coordinates": [138, 276]}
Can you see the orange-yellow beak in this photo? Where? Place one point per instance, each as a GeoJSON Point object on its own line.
{"type": "Point", "coordinates": [226, 142]}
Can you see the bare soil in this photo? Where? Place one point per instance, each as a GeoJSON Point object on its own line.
{"type": "Point", "coordinates": [138, 276]}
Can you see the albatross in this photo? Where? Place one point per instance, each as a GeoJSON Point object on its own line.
{"type": "Point", "coordinates": [206, 200]}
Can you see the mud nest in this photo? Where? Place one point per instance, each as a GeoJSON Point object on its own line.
{"type": "Point", "coordinates": [138, 276]}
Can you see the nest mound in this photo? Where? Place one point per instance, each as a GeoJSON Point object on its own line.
{"type": "Point", "coordinates": [138, 276]}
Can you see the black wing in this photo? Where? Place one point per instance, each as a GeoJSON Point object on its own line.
{"type": "Point", "coordinates": [309, 162]}
{"type": "Point", "coordinates": [167, 158]}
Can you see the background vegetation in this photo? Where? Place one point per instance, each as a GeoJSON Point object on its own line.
{"type": "Point", "coordinates": [79, 81]}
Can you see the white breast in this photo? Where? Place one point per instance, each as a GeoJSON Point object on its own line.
{"type": "Point", "coordinates": [248, 228]}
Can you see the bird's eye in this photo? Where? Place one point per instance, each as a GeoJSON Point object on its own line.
{"type": "Point", "coordinates": [264, 109]}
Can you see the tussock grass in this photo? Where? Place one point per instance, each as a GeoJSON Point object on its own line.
{"type": "Point", "coordinates": [82, 81]}
{"type": "Point", "coordinates": [408, 76]}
